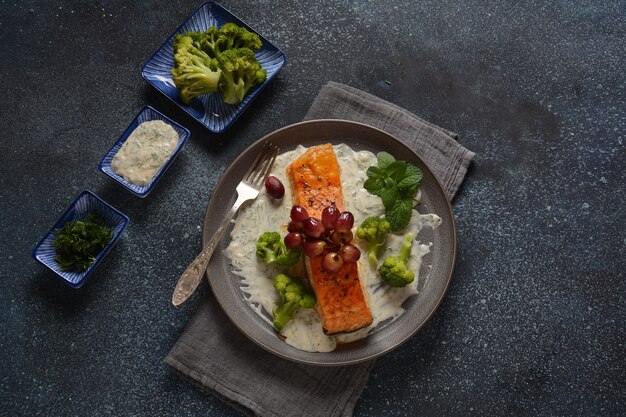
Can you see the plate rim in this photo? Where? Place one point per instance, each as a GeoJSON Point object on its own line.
{"type": "Point", "coordinates": [448, 278]}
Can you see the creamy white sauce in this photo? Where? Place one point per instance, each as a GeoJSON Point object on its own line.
{"type": "Point", "coordinates": [266, 214]}
{"type": "Point", "coordinates": [145, 151]}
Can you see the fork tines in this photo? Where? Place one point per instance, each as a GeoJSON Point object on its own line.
{"type": "Point", "coordinates": [263, 163]}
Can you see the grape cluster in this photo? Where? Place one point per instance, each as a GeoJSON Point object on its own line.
{"type": "Point", "coordinates": [329, 236]}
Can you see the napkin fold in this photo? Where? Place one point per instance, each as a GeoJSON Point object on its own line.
{"type": "Point", "coordinates": [214, 355]}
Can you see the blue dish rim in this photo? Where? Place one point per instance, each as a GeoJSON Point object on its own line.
{"type": "Point", "coordinates": [256, 90]}
{"type": "Point", "coordinates": [64, 218]}
{"type": "Point", "coordinates": [105, 166]}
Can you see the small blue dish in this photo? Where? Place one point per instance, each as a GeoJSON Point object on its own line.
{"type": "Point", "coordinates": [209, 109]}
{"type": "Point", "coordinates": [85, 204]}
{"type": "Point", "coordinates": [145, 114]}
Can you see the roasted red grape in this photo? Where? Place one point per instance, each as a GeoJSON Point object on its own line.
{"type": "Point", "coordinates": [293, 240]}
{"type": "Point", "coordinates": [344, 222]}
{"type": "Point", "coordinates": [329, 217]}
{"type": "Point", "coordinates": [274, 187]}
{"type": "Point", "coordinates": [299, 214]}
{"type": "Point", "coordinates": [314, 247]}
{"type": "Point", "coordinates": [350, 253]}
{"type": "Point", "coordinates": [294, 227]}
{"type": "Point", "coordinates": [332, 262]}
{"type": "Point", "coordinates": [341, 238]}
{"type": "Point", "coordinates": [313, 227]}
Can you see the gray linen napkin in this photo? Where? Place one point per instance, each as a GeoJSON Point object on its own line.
{"type": "Point", "coordinates": [213, 354]}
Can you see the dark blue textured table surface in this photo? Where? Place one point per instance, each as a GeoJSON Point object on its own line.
{"type": "Point", "coordinates": [534, 321]}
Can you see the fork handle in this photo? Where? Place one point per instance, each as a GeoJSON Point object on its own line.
{"type": "Point", "coordinates": [190, 279]}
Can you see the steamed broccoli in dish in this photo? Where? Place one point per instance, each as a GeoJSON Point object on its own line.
{"type": "Point", "coordinates": [213, 41]}
{"type": "Point", "coordinates": [235, 37]}
{"type": "Point", "coordinates": [373, 231]}
{"type": "Point", "coordinates": [293, 295]}
{"type": "Point", "coordinates": [271, 249]}
{"type": "Point", "coordinates": [240, 72]}
{"type": "Point", "coordinates": [200, 67]}
{"type": "Point", "coordinates": [195, 73]}
{"type": "Point", "coordinates": [394, 270]}
{"type": "Point", "coordinates": [229, 36]}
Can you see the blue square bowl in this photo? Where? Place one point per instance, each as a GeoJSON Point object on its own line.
{"type": "Point", "coordinates": [85, 204]}
{"type": "Point", "coordinates": [145, 114]}
{"type": "Point", "coordinates": [209, 109]}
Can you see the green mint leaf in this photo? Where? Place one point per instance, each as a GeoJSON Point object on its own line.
{"type": "Point", "coordinates": [412, 170]}
{"type": "Point", "coordinates": [396, 183]}
{"type": "Point", "coordinates": [384, 160]}
{"type": "Point", "coordinates": [396, 171]}
{"type": "Point", "coordinates": [412, 178]}
{"type": "Point", "coordinates": [373, 186]}
{"type": "Point", "coordinates": [400, 215]}
{"type": "Point", "coordinates": [389, 197]}
{"type": "Point", "coordinates": [374, 172]}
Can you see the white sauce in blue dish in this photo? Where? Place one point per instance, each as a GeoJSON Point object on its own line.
{"type": "Point", "coordinates": [145, 151]}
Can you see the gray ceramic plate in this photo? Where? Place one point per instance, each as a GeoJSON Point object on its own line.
{"type": "Point", "coordinates": [433, 282]}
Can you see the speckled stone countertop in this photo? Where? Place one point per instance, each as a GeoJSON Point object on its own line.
{"type": "Point", "coordinates": [534, 321]}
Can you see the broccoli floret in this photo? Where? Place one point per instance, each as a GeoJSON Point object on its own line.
{"type": "Point", "coordinates": [195, 73]}
{"type": "Point", "coordinates": [229, 36]}
{"type": "Point", "coordinates": [213, 42]}
{"type": "Point", "coordinates": [197, 39]}
{"type": "Point", "coordinates": [235, 37]}
{"type": "Point", "coordinates": [240, 72]}
{"type": "Point", "coordinates": [373, 231]}
{"type": "Point", "coordinates": [394, 269]}
{"type": "Point", "coordinates": [271, 249]}
{"type": "Point", "coordinates": [293, 295]}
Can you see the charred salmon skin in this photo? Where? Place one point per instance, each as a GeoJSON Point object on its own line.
{"type": "Point", "coordinates": [341, 300]}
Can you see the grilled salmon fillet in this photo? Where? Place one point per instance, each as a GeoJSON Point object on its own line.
{"type": "Point", "coordinates": [315, 180]}
{"type": "Point", "coordinates": [341, 300]}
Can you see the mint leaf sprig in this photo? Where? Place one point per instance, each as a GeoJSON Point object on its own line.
{"type": "Point", "coordinates": [396, 183]}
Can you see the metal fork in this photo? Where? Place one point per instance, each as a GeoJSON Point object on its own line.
{"type": "Point", "coordinates": [247, 189]}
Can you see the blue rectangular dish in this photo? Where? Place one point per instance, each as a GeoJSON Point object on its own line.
{"type": "Point", "coordinates": [209, 109]}
{"type": "Point", "coordinates": [86, 203]}
{"type": "Point", "coordinates": [145, 114]}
